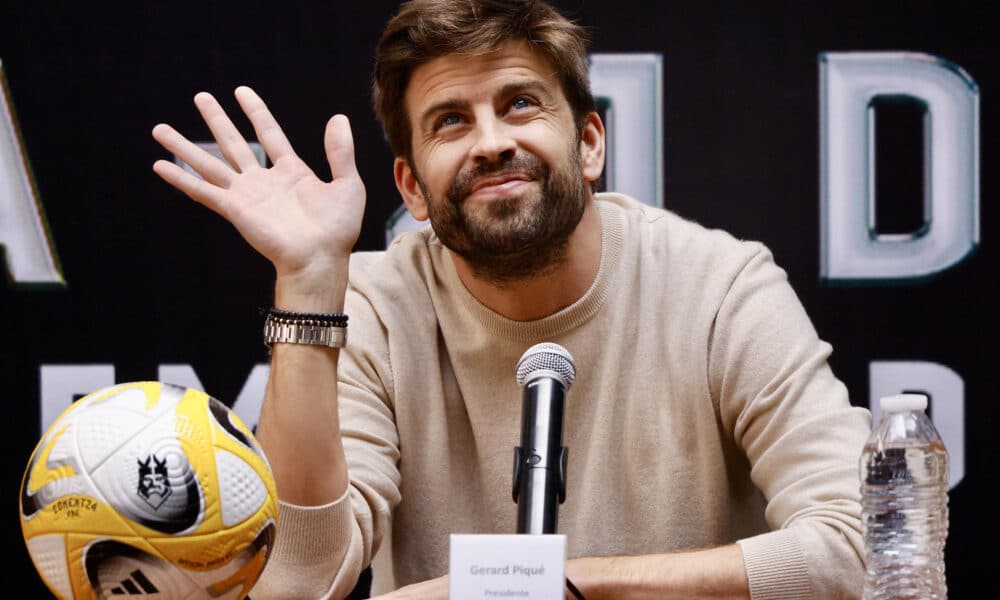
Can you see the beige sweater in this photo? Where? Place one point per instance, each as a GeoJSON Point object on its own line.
{"type": "Point", "coordinates": [703, 412]}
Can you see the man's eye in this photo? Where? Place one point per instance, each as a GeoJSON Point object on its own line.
{"type": "Point", "coordinates": [521, 102]}
{"type": "Point", "coordinates": [449, 119]}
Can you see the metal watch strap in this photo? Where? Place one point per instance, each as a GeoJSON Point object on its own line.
{"type": "Point", "coordinates": [286, 331]}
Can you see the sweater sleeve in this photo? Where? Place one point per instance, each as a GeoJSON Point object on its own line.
{"type": "Point", "coordinates": [320, 551]}
{"type": "Point", "coordinates": [791, 416]}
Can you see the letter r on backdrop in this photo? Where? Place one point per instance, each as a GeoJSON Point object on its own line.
{"type": "Point", "coordinates": [850, 247]}
{"type": "Point", "coordinates": [945, 390]}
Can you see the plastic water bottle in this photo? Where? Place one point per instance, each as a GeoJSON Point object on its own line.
{"type": "Point", "coordinates": [904, 503]}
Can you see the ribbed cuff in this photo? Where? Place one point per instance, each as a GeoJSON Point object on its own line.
{"type": "Point", "coordinates": [776, 566]}
{"type": "Point", "coordinates": [313, 534]}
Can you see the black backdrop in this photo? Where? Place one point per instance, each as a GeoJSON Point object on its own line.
{"type": "Point", "coordinates": [152, 278]}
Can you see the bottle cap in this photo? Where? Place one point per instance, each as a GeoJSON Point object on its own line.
{"type": "Point", "coordinates": [903, 402]}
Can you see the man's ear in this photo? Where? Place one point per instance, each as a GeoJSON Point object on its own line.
{"type": "Point", "coordinates": [409, 188]}
{"type": "Point", "coordinates": [592, 147]}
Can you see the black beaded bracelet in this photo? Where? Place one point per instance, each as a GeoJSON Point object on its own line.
{"type": "Point", "coordinates": [322, 319]}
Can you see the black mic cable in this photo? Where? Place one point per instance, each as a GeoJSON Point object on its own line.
{"type": "Point", "coordinates": [572, 588]}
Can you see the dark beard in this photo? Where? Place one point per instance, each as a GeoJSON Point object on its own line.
{"type": "Point", "coordinates": [519, 237]}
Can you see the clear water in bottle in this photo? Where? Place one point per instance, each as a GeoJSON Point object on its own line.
{"type": "Point", "coordinates": [904, 500]}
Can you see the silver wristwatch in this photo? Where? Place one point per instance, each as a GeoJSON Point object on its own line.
{"type": "Point", "coordinates": [289, 331]}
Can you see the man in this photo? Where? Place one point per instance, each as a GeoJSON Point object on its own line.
{"type": "Point", "coordinates": [713, 453]}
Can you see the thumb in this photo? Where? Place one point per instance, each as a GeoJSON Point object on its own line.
{"type": "Point", "coordinates": [339, 144]}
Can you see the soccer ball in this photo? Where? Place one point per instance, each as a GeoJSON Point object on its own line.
{"type": "Point", "coordinates": [148, 489]}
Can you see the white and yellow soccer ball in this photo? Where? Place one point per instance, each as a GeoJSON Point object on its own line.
{"type": "Point", "coordinates": [147, 489]}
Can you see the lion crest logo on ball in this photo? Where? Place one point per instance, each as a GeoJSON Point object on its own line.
{"type": "Point", "coordinates": [149, 488]}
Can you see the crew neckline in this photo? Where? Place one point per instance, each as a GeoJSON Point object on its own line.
{"type": "Point", "coordinates": [573, 315]}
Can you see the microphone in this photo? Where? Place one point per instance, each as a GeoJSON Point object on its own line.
{"type": "Point", "coordinates": [545, 372]}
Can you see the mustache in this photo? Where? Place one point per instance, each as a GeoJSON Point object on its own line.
{"type": "Point", "coordinates": [526, 164]}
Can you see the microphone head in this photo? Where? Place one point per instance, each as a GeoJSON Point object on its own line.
{"type": "Point", "coordinates": [546, 359]}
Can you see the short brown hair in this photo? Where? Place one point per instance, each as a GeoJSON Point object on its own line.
{"type": "Point", "coordinates": [426, 29]}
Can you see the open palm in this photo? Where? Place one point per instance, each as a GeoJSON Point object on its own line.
{"type": "Point", "coordinates": [288, 214]}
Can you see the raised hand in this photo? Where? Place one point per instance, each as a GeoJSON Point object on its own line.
{"type": "Point", "coordinates": [305, 226]}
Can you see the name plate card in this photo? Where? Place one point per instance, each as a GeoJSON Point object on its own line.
{"type": "Point", "coordinates": [521, 566]}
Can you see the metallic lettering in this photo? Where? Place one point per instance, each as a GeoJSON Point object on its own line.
{"type": "Point", "coordinates": [946, 391]}
{"type": "Point", "coordinates": [850, 248]}
{"type": "Point", "coordinates": [24, 234]}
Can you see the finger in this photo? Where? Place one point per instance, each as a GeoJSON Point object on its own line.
{"type": "Point", "coordinates": [339, 144]}
{"type": "Point", "coordinates": [269, 133]}
{"type": "Point", "coordinates": [195, 188]}
{"type": "Point", "coordinates": [231, 142]}
{"type": "Point", "coordinates": [208, 166]}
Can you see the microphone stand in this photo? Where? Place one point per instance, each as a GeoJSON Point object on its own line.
{"type": "Point", "coordinates": [546, 371]}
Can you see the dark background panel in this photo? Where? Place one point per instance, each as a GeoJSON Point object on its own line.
{"type": "Point", "coordinates": [154, 278]}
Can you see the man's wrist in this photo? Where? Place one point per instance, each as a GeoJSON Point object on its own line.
{"type": "Point", "coordinates": [712, 573]}
{"type": "Point", "coordinates": [317, 289]}
{"type": "Point", "coordinates": [592, 576]}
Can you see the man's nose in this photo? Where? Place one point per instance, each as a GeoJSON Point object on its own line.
{"type": "Point", "coordinates": [493, 141]}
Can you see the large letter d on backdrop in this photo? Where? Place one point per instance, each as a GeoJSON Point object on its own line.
{"type": "Point", "coordinates": [850, 84]}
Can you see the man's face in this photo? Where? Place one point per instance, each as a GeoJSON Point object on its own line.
{"type": "Point", "coordinates": [496, 160]}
